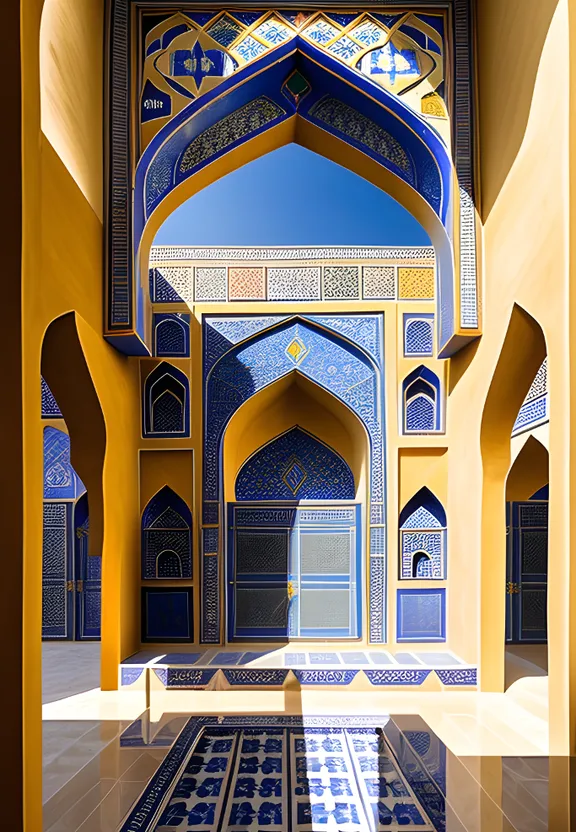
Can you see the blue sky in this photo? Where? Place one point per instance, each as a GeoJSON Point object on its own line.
{"type": "Point", "coordinates": [291, 197]}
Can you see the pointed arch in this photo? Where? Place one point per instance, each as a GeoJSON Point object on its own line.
{"type": "Point", "coordinates": [422, 525]}
{"type": "Point", "coordinates": [166, 408]}
{"type": "Point", "coordinates": [243, 356]}
{"type": "Point", "coordinates": [422, 411]}
{"type": "Point", "coordinates": [295, 466]}
{"type": "Point", "coordinates": [343, 116]}
{"type": "Point", "coordinates": [166, 537]}
{"type": "Point", "coordinates": [237, 367]}
{"type": "Point", "coordinates": [61, 482]}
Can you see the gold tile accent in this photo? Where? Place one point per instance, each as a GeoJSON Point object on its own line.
{"type": "Point", "coordinates": [415, 284]}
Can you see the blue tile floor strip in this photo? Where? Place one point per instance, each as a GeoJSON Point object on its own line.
{"type": "Point", "coordinates": [286, 773]}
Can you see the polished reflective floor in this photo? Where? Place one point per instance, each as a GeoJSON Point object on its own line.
{"type": "Point", "coordinates": [303, 760]}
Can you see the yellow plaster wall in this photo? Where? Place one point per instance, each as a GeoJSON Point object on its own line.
{"type": "Point", "coordinates": [173, 468]}
{"type": "Point", "coordinates": [523, 153]}
{"type": "Point", "coordinates": [62, 272]}
{"type": "Point", "coordinates": [419, 468]}
{"type": "Point", "coordinates": [71, 46]}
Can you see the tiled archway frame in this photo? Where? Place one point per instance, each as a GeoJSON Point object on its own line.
{"type": "Point", "coordinates": [458, 315]}
{"type": "Point", "coordinates": [243, 355]}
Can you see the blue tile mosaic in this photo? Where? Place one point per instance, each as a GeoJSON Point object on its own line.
{"type": "Point", "coordinates": [279, 774]}
{"type": "Point", "coordinates": [460, 676]}
{"type": "Point", "coordinates": [166, 537]}
{"type": "Point", "coordinates": [167, 615]}
{"type": "Point", "coordinates": [61, 482]}
{"type": "Point", "coordinates": [421, 615]}
{"type": "Point", "coordinates": [184, 677]}
{"type": "Point", "coordinates": [243, 355]}
{"type": "Point", "coordinates": [325, 677]}
{"type": "Point", "coordinates": [397, 677]}
{"type": "Point", "coordinates": [265, 677]}
{"type": "Point", "coordinates": [171, 335]}
{"type": "Point", "coordinates": [295, 465]}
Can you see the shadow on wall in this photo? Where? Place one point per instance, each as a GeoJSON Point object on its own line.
{"type": "Point", "coordinates": [511, 35]}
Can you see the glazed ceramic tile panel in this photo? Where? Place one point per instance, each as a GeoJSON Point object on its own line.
{"type": "Point", "coordinates": [211, 284]}
{"type": "Point", "coordinates": [421, 615]}
{"type": "Point", "coordinates": [294, 284]}
{"type": "Point", "coordinates": [293, 778]}
{"type": "Point", "coordinates": [171, 336]}
{"type": "Point", "coordinates": [418, 336]}
{"type": "Point", "coordinates": [379, 283]}
{"type": "Point", "coordinates": [246, 283]}
{"type": "Point", "coordinates": [166, 537]}
{"type": "Point", "coordinates": [172, 284]}
{"type": "Point", "coordinates": [57, 610]}
{"type": "Point", "coordinates": [268, 349]}
{"type": "Point", "coordinates": [415, 284]}
{"type": "Point", "coordinates": [341, 283]}
{"type": "Point", "coordinates": [333, 279]}
{"type": "Point", "coordinates": [295, 465]}
{"type": "Point", "coordinates": [188, 54]}
{"type": "Point", "coordinates": [50, 409]}
{"type": "Point", "coordinates": [534, 410]}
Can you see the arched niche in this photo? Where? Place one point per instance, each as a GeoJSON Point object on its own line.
{"type": "Point", "coordinates": [295, 400]}
{"type": "Point", "coordinates": [422, 524]}
{"type": "Point", "coordinates": [421, 402]}
{"type": "Point", "coordinates": [316, 347]}
{"type": "Point", "coordinates": [166, 537]}
{"type": "Point", "coordinates": [343, 117]}
{"type": "Point", "coordinates": [166, 407]}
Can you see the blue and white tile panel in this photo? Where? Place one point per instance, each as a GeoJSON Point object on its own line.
{"type": "Point", "coordinates": [271, 670]}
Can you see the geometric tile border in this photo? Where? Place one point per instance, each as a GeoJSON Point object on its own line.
{"type": "Point", "coordinates": [343, 282]}
{"type": "Point", "coordinates": [178, 678]}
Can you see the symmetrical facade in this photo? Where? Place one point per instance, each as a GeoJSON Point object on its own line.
{"type": "Point", "coordinates": [416, 378]}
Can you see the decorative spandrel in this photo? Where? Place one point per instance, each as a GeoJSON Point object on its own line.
{"type": "Point", "coordinates": [190, 53]}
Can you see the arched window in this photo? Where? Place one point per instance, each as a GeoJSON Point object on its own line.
{"type": "Point", "coordinates": [166, 402]}
{"type": "Point", "coordinates": [166, 537]}
{"type": "Point", "coordinates": [418, 335]}
{"type": "Point", "coordinates": [423, 537]}
{"type": "Point", "coordinates": [421, 401]}
{"type": "Point", "coordinates": [172, 335]}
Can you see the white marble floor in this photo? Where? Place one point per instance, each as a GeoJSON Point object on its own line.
{"type": "Point", "coordinates": [68, 668]}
